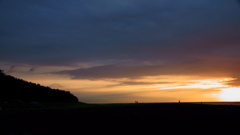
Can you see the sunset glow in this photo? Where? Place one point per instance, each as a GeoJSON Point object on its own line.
{"type": "Point", "coordinates": [230, 94]}
{"type": "Point", "coordinates": [116, 51]}
{"type": "Point", "coordinates": [147, 89]}
{"type": "Point", "coordinates": [205, 84]}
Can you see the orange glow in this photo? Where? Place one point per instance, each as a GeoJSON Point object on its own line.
{"type": "Point", "coordinates": [164, 88]}
{"type": "Point", "coordinates": [205, 84]}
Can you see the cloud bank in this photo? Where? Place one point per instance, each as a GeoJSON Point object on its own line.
{"type": "Point", "coordinates": [139, 37]}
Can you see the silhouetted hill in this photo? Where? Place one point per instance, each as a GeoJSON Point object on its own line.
{"type": "Point", "coordinates": [14, 89]}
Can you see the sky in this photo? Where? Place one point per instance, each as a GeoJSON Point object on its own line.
{"type": "Point", "coordinates": [122, 51]}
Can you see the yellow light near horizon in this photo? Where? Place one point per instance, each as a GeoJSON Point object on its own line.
{"type": "Point", "coordinates": [208, 84]}
{"type": "Point", "coordinates": [225, 93]}
{"type": "Point", "coordinates": [205, 84]}
{"type": "Point", "coordinates": [167, 88]}
{"type": "Point", "coordinates": [230, 94]}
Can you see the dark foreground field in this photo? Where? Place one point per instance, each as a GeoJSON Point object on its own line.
{"type": "Point", "coordinates": [149, 118]}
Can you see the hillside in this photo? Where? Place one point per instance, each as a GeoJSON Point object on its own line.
{"type": "Point", "coordinates": [13, 89]}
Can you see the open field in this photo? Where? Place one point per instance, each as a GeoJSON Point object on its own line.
{"type": "Point", "coordinates": [56, 118]}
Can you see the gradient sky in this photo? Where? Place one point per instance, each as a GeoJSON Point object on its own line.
{"type": "Point", "coordinates": [112, 51]}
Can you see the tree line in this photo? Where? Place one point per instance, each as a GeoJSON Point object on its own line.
{"type": "Point", "coordinates": [15, 89]}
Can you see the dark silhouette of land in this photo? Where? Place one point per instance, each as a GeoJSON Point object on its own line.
{"type": "Point", "coordinates": [141, 118]}
{"type": "Point", "coordinates": [61, 114]}
{"type": "Point", "coordinates": [17, 90]}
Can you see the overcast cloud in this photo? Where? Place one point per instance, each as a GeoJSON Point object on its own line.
{"type": "Point", "coordinates": [139, 37]}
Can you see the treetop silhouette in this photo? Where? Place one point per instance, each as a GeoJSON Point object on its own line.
{"type": "Point", "coordinates": [15, 89]}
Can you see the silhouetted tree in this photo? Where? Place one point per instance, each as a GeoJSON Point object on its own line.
{"type": "Point", "coordinates": [13, 89]}
{"type": "Point", "coordinates": [2, 73]}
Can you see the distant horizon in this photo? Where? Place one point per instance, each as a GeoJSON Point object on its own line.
{"type": "Point", "coordinates": [207, 102]}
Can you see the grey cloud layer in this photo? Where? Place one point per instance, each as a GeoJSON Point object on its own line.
{"type": "Point", "coordinates": [207, 68]}
{"type": "Point", "coordinates": [58, 32]}
{"type": "Point", "coordinates": [175, 37]}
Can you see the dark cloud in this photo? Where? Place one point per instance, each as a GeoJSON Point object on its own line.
{"type": "Point", "coordinates": [206, 67]}
{"type": "Point", "coordinates": [238, 1]}
{"type": "Point", "coordinates": [61, 32]}
{"type": "Point", "coordinates": [153, 37]}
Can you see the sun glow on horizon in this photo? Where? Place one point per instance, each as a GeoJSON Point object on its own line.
{"type": "Point", "coordinates": [164, 88]}
{"type": "Point", "coordinates": [230, 94]}
{"type": "Point", "coordinates": [226, 93]}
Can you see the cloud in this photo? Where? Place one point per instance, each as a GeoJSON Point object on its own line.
{"type": "Point", "coordinates": [141, 83]}
{"type": "Point", "coordinates": [238, 1]}
{"type": "Point", "coordinates": [164, 37]}
{"type": "Point", "coordinates": [204, 67]}
{"type": "Point", "coordinates": [235, 81]}
{"type": "Point", "coordinates": [11, 69]}
{"type": "Point", "coordinates": [32, 69]}
{"type": "Point", "coordinates": [69, 32]}
{"type": "Point", "coordinates": [137, 83]}
{"type": "Point", "coordinates": [56, 86]}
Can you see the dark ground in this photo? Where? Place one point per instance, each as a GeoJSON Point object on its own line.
{"type": "Point", "coordinates": [149, 118]}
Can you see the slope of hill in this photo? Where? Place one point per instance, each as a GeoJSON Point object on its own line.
{"type": "Point", "coordinates": [14, 89]}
